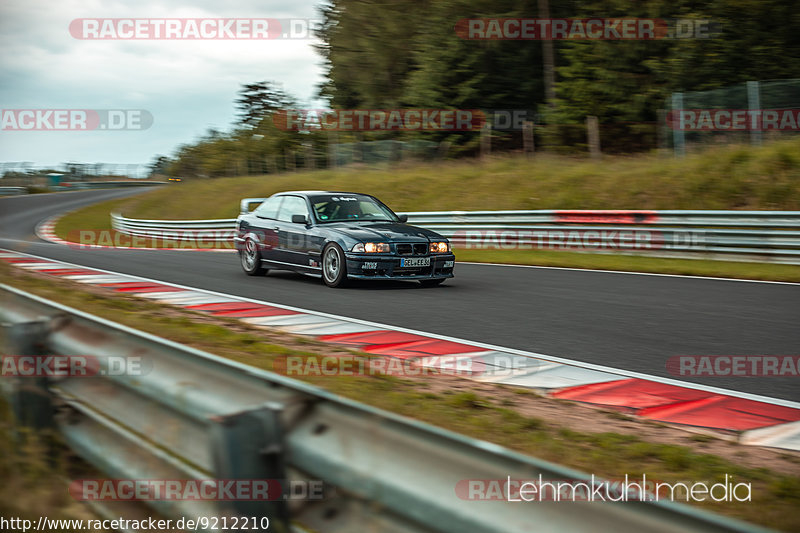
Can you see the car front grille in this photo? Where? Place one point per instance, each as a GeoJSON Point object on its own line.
{"type": "Point", "coordinates": [412, 248]}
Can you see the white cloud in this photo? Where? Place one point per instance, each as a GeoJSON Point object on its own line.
{"type": "Point", "coordinates": [188, 86]}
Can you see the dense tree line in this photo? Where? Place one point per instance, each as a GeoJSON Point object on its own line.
{"type": "Point", "coordinates": [406, 53]}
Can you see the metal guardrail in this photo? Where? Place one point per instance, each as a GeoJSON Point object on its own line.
{"type": "Point", "coordinates": [116, 184]}
{"type": "Point", "coordinates": [214, 230]}
{"type": "Point", "coordinates": [8, 191]}
{"type": "Point", "coordinates": [81, 185]}
{"type": "Point", "coordinates": [768, 236]}
{"type": "Point", "coordinates": [708, 218]}
{"type": "Point", "coordinates": [195, 415]}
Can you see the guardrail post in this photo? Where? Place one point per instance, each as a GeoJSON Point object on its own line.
{"type": "Point", "coordinates": [30, 400]}
{"type": "Point", "coordinates": [249, 445]}
{"type": "Point", "coordinates": [678, 134]}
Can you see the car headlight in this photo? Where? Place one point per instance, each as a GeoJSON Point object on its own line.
{"type": "Point", "coordinates": [440, 247]}
{"type": "Point", "coordinates": [371, 247]}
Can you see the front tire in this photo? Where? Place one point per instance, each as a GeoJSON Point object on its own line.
{"type": "Point", "coordinates": [334, 266]}
{"type": "Point", "coordinates": [250, 258]}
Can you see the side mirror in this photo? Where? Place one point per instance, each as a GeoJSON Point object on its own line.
{"type": "Point", "coordinates": [299, 219]}
{"type": "Point", "coordinates": [403, 218]}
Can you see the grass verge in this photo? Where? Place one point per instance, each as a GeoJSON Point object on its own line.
{"type": "Point", "coordinates": [727, 177]}
{"type": "Point", "coordinates": [33, 467]}
{"type": "Point", "coordinates": [604, 443]}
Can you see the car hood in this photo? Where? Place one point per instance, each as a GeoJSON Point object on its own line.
{"type": "Point", "coordinates": [383, 231]}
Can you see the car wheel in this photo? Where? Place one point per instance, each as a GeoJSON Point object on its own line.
{"type": "Point", "coordinates": [431, 282]}
{"type": "Point", "coordinates": [251, 259]}
{"type": "Point", "coordinates": [334, 267]}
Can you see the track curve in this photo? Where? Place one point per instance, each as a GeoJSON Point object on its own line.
{"type": "Point", "coordinates": [627, 321]}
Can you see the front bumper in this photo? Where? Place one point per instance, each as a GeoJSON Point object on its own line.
{"type": "Point", "coordinates": [387, 266]}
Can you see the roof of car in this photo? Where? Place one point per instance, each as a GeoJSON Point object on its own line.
{"type": "Point", "coordinates": [307, 193]}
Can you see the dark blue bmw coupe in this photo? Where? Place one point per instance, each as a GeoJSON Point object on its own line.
{"type": "Point", "coordinates": [339, 236]}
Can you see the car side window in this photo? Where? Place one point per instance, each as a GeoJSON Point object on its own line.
{"type": "Point", "coordinates": [369, 209]}
{"type": "Point", "coordinates": [269, 208]}
{"type": "Point", "coordinates": [292, 205]}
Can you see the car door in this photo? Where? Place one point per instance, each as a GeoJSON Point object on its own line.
{"type": "Point", "coordinates": [292, 248]}
{"type": "Point", "coordinates": [266, 227]}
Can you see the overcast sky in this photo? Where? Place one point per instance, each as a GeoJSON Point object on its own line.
{"type": "Point", "coordinates": [188, 86]}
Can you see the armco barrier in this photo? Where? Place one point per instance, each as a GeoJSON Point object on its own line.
{"type": "Point", "coordinates": [194, 415]}
{"type": "Point", "coordinates": [766, 236]}
{"type": "Point", "coordinates": [8, 191]}
{"type": "Point", "coordinates": [80, 185]}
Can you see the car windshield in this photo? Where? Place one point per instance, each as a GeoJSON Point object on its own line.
{"type": "Point", "coordinates": [350, 207]}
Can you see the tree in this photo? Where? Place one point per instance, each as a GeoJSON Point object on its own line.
{"type": "Point", "coordinates": [257, 101]}
{"type": "Point", "coordinates": [367, 49]}
{"type": "Point", "coordinates": [159, 165]}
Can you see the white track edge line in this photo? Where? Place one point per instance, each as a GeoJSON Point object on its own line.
{"type": "Point", "coordinates": [535, 355]}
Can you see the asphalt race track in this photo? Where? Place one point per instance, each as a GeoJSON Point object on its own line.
{"type": "Point", "coordinates": [627, 321]}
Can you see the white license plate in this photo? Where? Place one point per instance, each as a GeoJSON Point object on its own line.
{"type": "Point", "coordinates": [409, 262]}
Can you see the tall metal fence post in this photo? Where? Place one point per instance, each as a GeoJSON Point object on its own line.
{"type": "Point", "coordinates": [486, 140]}
{"type": "Point", "coordinates": [593, 136]}
{"type": "Point", "coordinates": [661, 132]}
{"type": "Point", "coordinates": [358, 148]}
{"type": "Point", "coordinates": [678, 137]}
{"type": "Point", "coordinates": [332, 151]}
{"type": "Point", "coordinates": [754, 105]}
{"type": "Point", "coordinates": [309, 161]}
{"type": "Point", "coordinates": [527, 138]}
